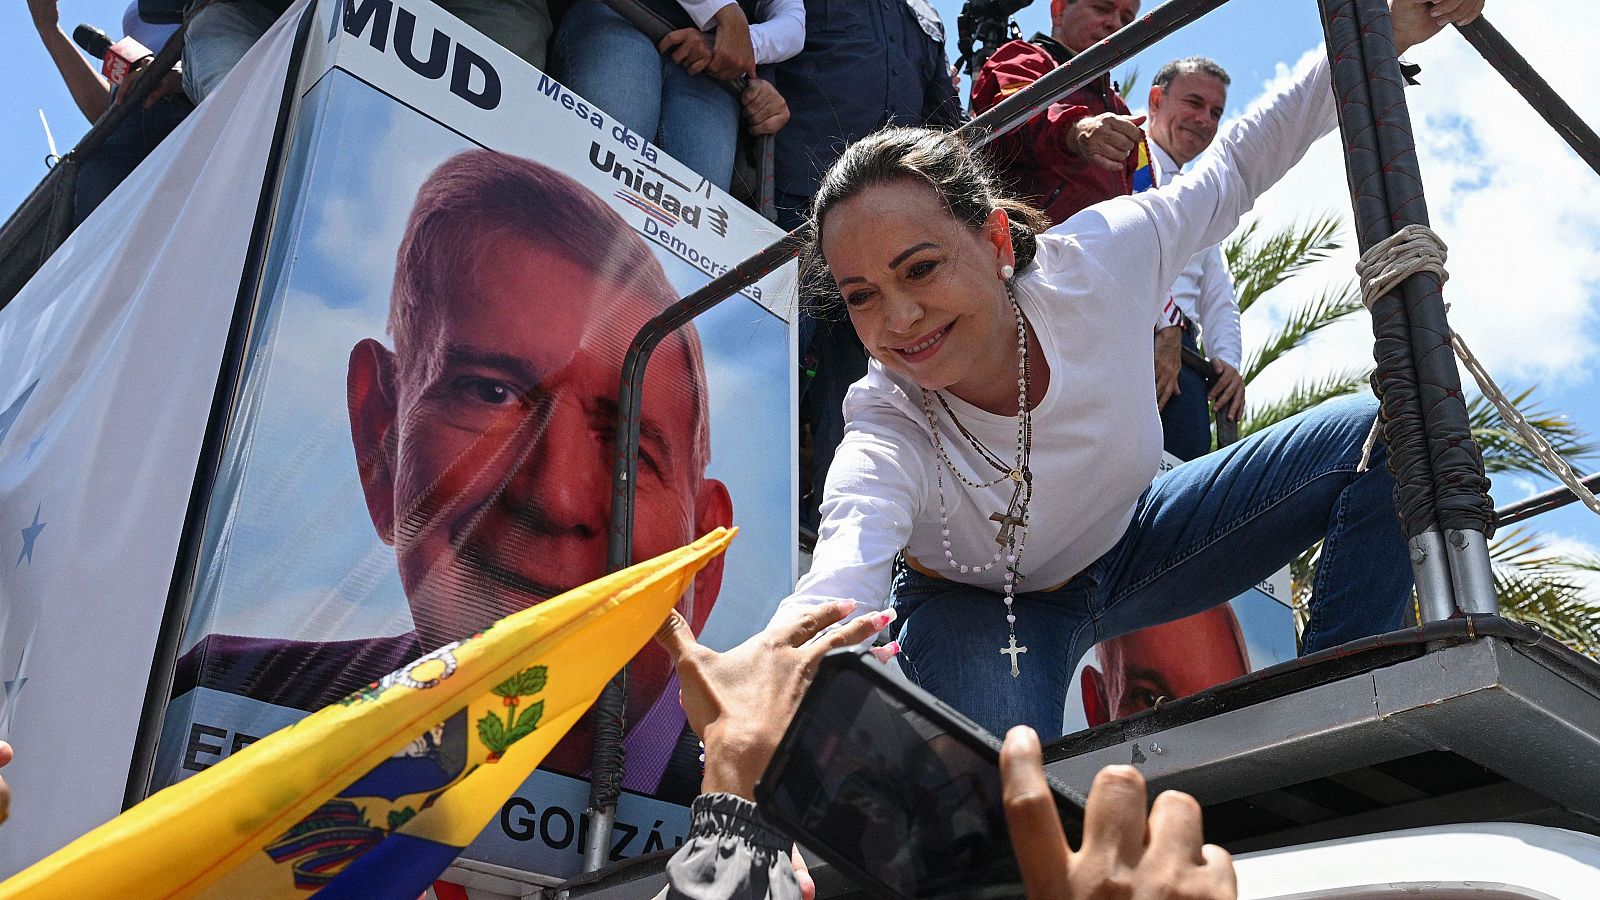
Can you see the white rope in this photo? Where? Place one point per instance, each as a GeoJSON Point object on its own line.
{"type": "Point", "coordinates": [1531, 437]}
{"type": "Point", "coordinates": [1416, 248]}
{"type": "Point", "coordinates": [1412, 249]}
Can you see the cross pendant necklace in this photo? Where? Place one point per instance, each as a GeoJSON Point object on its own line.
{"type": "Point", "coordinates": [1009, 520]}
{"type": "Point", "coordinates": [1012, 650]}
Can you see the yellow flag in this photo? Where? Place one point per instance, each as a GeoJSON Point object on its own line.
{"type": "Point", "coordinates": [374, 795]}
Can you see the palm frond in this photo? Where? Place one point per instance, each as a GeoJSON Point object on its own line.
{"type": "Point", "coordinates": [1261, 264]}
{"type": "Point", "coordinates": [1503, 450]}
{"type": "Point", "coordinates": [1127, 82]}
{"type": "Point", "coordinates": [1555, 606]}
{"type": "Point", "coordinates": [1329, 306]}
{"type": "Point", "coordinates": [1304, 395]}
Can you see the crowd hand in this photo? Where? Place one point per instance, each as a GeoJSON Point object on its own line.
{"type": "Point", "coordinates": [740, 702]}
{"type": "Point", "coordinates": [1227, 395]}
{"type": "Point", "coordinates": [171, 83]}
{"type": "Point", "coordinates": [45, 15]}
{"type": "Point", "coordinates": [732, 54]}
{"type": "Point", "coordinates": [689, 48]}
{"type": "Point", "coordinates": [1415, 21]}
{"type": "Point", "coordinates": [1106, 139]}
{"type": "Point", "coordinates": [764, 107]}
{"type": "Point", "coordinates": [5, 792]}
{"type": "Point", "coordinates": [1125, 853]}
{"type": "Point", "coordinates": [1169, 362]}
{"type": "Point", "coordinates": [802, 874]}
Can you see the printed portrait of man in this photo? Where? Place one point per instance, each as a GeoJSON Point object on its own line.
{"type": "Point", "coordinates": [1164, 662]}
{"type": "Point", "coordinates": [484, 439]}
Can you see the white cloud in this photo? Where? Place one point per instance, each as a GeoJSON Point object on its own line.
{"type": "Point", "coordinates": [1571, 547]}
{"type": "Point", "coordinates": [1519, 210]}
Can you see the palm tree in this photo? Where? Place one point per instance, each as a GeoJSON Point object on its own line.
{"type": "Point", "coordinates": [1536, 585]}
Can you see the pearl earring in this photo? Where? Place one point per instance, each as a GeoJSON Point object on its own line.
{"type": "Point", "coordinates": [1006, 271]}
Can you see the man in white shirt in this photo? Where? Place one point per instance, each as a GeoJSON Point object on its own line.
{"type": "Point", "coordinates": [1186, 103]}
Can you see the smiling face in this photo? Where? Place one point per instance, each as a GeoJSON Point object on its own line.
{"type": "Point", "coordinates": [486, 446]}
{"type": "Point", "coordinates": [1082, 24]}
{"type": "Point", "coordinates": [1184, 116]}
{"type": "Point", "coordinates": [923, 289]}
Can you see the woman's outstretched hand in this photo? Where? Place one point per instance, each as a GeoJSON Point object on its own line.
{"type": "Point", "coordinates": [740, 702]}
{"type": "Point", "coordinates": [1125, 853]}
{"type": "Point", "coordinates": [1415, 21]}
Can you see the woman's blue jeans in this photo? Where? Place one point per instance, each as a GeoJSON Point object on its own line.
{"type": "Point", "coordinates": [1201, 534]}
{"type": "Point", "coordinates": [610, 63]}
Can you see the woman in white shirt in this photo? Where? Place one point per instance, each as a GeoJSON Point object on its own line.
{"type": "Point", "coordinates": [1005, 436]}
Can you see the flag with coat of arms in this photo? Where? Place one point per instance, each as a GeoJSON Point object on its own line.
{"type": "Point", "coordinates": [376, 794]}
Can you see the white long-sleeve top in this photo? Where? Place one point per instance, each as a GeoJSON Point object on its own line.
{"type": "Point", "coordinates": [1204, 290]}
{"type": "Point", "coordinates": [1096, 430]}
{"type": "Point", "coordinates": [779, 34]}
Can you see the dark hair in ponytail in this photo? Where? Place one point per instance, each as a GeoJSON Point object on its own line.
{"type": "Point", "coordinates": [957, 172]}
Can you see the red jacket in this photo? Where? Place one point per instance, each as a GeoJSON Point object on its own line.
{"type": "Point", "coordinates": [1035, 157]}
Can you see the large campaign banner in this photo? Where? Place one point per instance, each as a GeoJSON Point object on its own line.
{"type": "Point", "coordinates": [461, 254]}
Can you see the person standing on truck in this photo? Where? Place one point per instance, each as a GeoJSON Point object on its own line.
{"type": "Point", "coordinates": [1003, 440]}
{"type": "Point", "coordinates": [1186, 104]}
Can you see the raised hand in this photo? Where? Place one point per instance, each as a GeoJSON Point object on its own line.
{"type": "Point", "coordinates": [1415, 21]}
{"type": "Point", "coordinates": [732, 54]}
{"type": "Point", "coordinates": [1106, 139]}
{"type": "Point", "coordinates": [764, 107]}
{"type": "Point", "coordinates": [689, 48]}
{"type": "Point", "coordinates": [1125, 853]}
{"type": "Point", "coordinates": [740, 702]}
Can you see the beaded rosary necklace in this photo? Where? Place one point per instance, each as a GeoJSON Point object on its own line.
{"type": "Point", "coordinates": [1015, 516]}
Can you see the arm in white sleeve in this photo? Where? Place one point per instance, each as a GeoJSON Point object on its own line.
{"type": "Point", "coordinates": [701, 11]}
{"type": "Point", "coordinates": [1146, 239]}
{"type": "Point", "coordinates": [1168, 314]}
{"type": "Point", "coordinates": [878, 482]}
{"type": "Point", "coordinates": [1218, 308]}
{"type": "Point", "coordinates": [781, 33]}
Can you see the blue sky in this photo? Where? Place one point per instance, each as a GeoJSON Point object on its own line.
{"type": "Point", "coordinates": [1518, 209]}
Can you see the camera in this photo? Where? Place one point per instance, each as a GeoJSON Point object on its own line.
{"type": "Point", "coordinates": [986, 24]}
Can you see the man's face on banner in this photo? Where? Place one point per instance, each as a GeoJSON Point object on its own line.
{"type": "Point", "coordinates": [490, 463]}
{"type": "Point", "coordinates": [1164, 662]}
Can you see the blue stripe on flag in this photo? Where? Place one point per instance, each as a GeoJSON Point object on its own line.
{"type": "Point", "coordinates": [401, 868]}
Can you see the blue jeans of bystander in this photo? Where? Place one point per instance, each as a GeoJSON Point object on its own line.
{"type": "Point", "coordinates": [218, 36]}
{"type": "Point", "coordinates": [1201, 534]}
{"type": "Point", "coordinates": [1186, 419]}
{"type": "Point", "coordinates": [613, 65]}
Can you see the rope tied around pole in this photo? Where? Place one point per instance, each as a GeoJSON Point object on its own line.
{"type": "Point", "coordinates": [1417, 248]}
{"type": "Point", "coordinates": [1412, 249]}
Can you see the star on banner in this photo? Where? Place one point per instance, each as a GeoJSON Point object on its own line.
{"type": "Point", "coordinates": [29, 535]}
{"type": "Point", "coordinates": [9, 415]}
{"type": "Point", "coordinates": [13, 688]}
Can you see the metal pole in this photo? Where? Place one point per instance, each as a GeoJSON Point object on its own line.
{"type": "Point", "coordinates": [1460, 487]}
{"type": "Point", "coordinates": [1540, 504]}
{"type": "Point", "coordinates": [1531, 85]}
{"type": "Point", "coordinates": [1440, 487]}
{"type": "Point", "coordinates": [1396, 378]}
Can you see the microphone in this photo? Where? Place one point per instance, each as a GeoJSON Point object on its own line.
{"type": "Point", "coordinates": [116, 59]}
